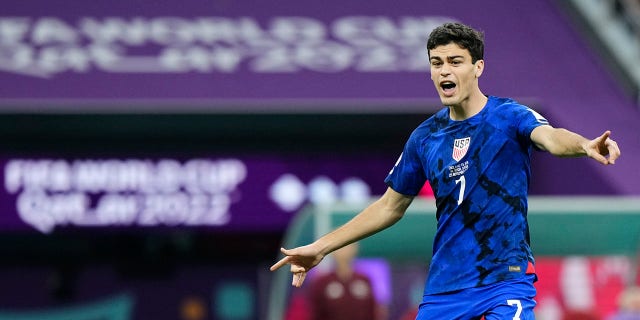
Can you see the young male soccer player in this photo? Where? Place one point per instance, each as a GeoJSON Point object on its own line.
{"type": "Point", "coordinates": [476, 155]}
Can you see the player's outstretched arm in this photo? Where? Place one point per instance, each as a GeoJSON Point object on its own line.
{"type": "Point", "coordinates": [378, 216]}
{"type": "Point", "coordinates": [564, 143]}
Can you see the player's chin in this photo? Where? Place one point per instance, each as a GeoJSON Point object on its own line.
{"type": "Point", "coordinates": [447, 101]}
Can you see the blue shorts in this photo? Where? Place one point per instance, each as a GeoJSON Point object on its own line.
{"type": "Point", "coordinates": [506, 300]}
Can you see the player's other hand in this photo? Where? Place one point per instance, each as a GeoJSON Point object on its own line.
{"type": "Point", "coordinates": [301, 259]}
{"type": "Point", "coordinates": [603, 149]}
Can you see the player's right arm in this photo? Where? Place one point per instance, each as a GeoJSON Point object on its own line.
{"type": "Point", "coordinates": [378, 216]}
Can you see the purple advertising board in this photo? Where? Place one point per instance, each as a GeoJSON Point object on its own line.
{"type": "Point", "coordinates": [245, 193]}
{"type": "Point", "coordinates": [244, 50]}
{"type": "Point", "coordinates": [235, 55]}
{"type": "Point", "coordinates": [203, 50]}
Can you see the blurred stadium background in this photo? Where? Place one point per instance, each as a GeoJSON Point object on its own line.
{"type": "Point", "coordinates": [156, 154]}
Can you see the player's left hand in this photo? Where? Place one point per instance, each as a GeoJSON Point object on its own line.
{"type": "Point", "coordinates": [603, 149]}
{"type": "Point", "coordinates": [301, 259]}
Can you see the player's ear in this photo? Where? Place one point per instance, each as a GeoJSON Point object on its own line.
{"type": "Point", "coordinates": [479, 67]}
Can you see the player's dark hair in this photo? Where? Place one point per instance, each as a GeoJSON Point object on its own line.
{"type": "Point", "coordinates": [460, 34]}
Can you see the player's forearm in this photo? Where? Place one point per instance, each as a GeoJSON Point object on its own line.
{"type": "Point", "coordinates": [376, 217]}
{"type": "Point", "coordinates": [564, 143]}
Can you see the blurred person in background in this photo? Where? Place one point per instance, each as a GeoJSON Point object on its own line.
{"type": "Point", "coordinates": [476, 154]}
{"type": "Point", "coordinates": [343, 293]}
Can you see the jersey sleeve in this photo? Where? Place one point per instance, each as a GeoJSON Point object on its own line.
{"type": "Point", "coordinates": [528, 119]}
{"type": "Point", "coordinates": [408, 175]}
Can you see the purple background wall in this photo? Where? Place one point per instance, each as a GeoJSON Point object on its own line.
{"type": "Point", "coordinates": [533, 53]}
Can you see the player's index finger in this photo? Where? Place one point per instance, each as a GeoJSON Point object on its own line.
{"type": "Point", "coordinates": [279, 264]}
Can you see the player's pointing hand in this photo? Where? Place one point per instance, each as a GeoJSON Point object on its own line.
{"type": "Point", "coordinates": [603, 149]}
{"type": "Point", "coordinates": [301, 259]}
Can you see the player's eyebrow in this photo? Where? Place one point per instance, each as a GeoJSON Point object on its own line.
{"type": "Point", "coordinates": [455, 57]}
{"type": "Point", "coordinates": [448, 57]}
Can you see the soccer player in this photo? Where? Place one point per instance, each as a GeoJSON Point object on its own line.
{"type": "Point", "coordinates": [476, 155]}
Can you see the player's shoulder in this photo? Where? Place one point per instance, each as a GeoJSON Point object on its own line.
{"type": "Point", "coordinates": [432, 124]}
{"type": "Point", "coordinates": [510, 109]}
{"type": "Point", "coordinates": [505, 104]}
{"type": "Point", "coordinates": [506, 110]}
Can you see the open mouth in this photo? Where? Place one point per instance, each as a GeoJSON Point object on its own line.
{"type": "Point", "coordinates": [447, 87]}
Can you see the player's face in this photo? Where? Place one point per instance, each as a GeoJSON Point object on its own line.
{"type": "Point", "coordinates": [454, 75]}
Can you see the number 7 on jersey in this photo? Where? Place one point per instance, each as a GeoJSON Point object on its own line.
{"type": "Point", "coordinates": [463, 183]}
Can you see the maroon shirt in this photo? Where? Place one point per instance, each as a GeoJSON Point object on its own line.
{"type": "Point", "coordinates": [335, 299]}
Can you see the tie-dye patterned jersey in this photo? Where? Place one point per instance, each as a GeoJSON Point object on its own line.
{"type": "Point", "coordinates": [479, 170]}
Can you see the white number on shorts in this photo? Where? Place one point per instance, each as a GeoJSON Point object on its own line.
{"type": "Point", "coordinates": [518, 305]}
{"type": "Point", "coordinates": [463, 183]}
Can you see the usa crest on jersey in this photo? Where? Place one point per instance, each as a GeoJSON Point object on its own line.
{"type": "Point", "coordinates": [460, 148]}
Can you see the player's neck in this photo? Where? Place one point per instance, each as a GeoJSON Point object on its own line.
{"type": "Point", "coordinates": [468, 107]}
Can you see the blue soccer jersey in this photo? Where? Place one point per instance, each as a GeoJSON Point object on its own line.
{"type": "Point", "coordinates": [479, 170]}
